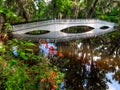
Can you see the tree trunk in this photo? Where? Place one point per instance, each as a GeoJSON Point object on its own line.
{"type": "Point", "coordinates": [92, 9]}
{"type": "Point", "coordinates": [2, 20]}
{"type": "Point", "coordinates": [27, 8]}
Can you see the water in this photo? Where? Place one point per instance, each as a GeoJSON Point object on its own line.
{"type": "Point", "coordinates": [91, 64]}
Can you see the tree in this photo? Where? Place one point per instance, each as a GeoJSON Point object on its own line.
{"type": "Point", "coordinates": [5, 14]}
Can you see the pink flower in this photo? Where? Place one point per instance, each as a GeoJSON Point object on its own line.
{"type": "Point", "coordinates": [42, 80]}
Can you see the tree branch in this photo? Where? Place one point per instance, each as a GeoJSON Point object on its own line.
{"type": "Point", "coordinates": [92, 9]}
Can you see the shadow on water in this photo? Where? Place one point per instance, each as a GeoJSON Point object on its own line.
{"type": "Point", "coordinates": [87, 63]}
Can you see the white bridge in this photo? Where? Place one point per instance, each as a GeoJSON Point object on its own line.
{"type": "Point", "coordinates": [55, 26]}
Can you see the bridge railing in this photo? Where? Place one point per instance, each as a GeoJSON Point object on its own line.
{"type": "Point", "coordinates": [32, 25]}
{"type": "Point", "coordinates": [82, 21]}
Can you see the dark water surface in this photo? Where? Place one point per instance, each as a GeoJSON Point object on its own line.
{"type": "Point", "coordinates": [91, 64]}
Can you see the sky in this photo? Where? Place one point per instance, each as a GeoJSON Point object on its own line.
{"type": "Point", "coordinates": [47, 0]}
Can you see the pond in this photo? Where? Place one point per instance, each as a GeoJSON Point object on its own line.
{"type": "Point", "coordinates": [92, 63]}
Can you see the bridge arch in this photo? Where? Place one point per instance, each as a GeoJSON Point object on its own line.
{"type": "Point", "coordinates": [55, 27]}
{"type": "Point", "coordinates": [37, 32]}
{"type": "Point", "coordinates": [77, 29]}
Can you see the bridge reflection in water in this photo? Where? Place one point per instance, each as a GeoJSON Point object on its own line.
{"type": "Point", "coordinates": [55, 27]}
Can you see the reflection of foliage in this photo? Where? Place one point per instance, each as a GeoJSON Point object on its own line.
{"type": "Point", "coordinates": [114, 42]}
{"type": "Point", "coordinates": [81, 73]}
{"type": "Point", "coordinates": [78, 76]}
{"type": "Point", "coordinates": [116, 76]}
{"type": "Point", "coordinates": [37, 32]}
{"type": "Point", "coordinates": [76, 73]}
{"type": "Point", "coordinates": [108, 43]}
{"type": "Point", "coordinates": [78, 29]}
{"type": "Point", "coordinates": [109, 48]}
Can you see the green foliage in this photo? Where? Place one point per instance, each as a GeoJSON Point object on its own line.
{"type": "Point", "coordinates": [62, 6]}
{"type": "Point", "coordinates": [17, 77]}
{"type": "Point", "coordinates": [109, 17]}
{"type": "Point", "coordinates": [28, 71]}
{"type": "Point", "coordinates": [110, 13]}
{"type": "Point", "coordinates": [7, 12]}
{"type": "Point", "coordinates": [37, 32]}
{"type": "Point", "coordinates": [41, 9]}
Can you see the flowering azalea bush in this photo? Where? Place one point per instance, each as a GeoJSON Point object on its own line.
{"type": "Point", "coordinates": [26, 70]}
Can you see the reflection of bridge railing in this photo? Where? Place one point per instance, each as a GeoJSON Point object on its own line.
{"type": "Point", "coordinates": [63, 38]}
{"type": "Point", "coordinates": [81, 36]}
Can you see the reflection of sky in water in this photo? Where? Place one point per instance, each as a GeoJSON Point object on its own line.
{"type": "Point", "coordinates": [96, 58]}
{"type": "Point", "coordinates": [97, 61]}
{"type": "Point", "coordinates": [114, 85]}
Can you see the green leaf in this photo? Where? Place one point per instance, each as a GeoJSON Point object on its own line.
{"type": "Point", "coordinates": [29, 44]}
{"type": "Point", "coordinates": [12, 62]}
{"type": "Point", "coordinates": [19, 79]}
{"type": "Point", "coordinates": [28, 49]}
{"type": "Point", "coordinates": [22, 55]}
{"type": "Point", "coordinates": [2, 49]}
{"type": "Point", "coordinates": [15, 40]}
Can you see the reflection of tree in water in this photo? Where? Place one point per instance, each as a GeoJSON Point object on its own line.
{"type": "Point", "coordinates": [110, 54]}
{"type": "Point", "coordinates": [82, 73]}
{"type": "Point", "coordinates": [87, 73]}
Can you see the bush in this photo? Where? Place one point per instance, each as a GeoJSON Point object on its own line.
{"type": "Point", "coordinates": [28, 70]}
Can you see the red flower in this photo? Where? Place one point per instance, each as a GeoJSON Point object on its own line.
{"type": "Point", "coordinates": [54, 52]}
{"type": "Point", "coordinates": [53, 74]}
{"type": "Point", "coordinates": [51, 48]}
{"type": "Point", "coordinates": [60, 55]}
{"type": "Point", "coordinates": [52, 81]}
{"type": "Point", "coordinates": [53, 87]}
